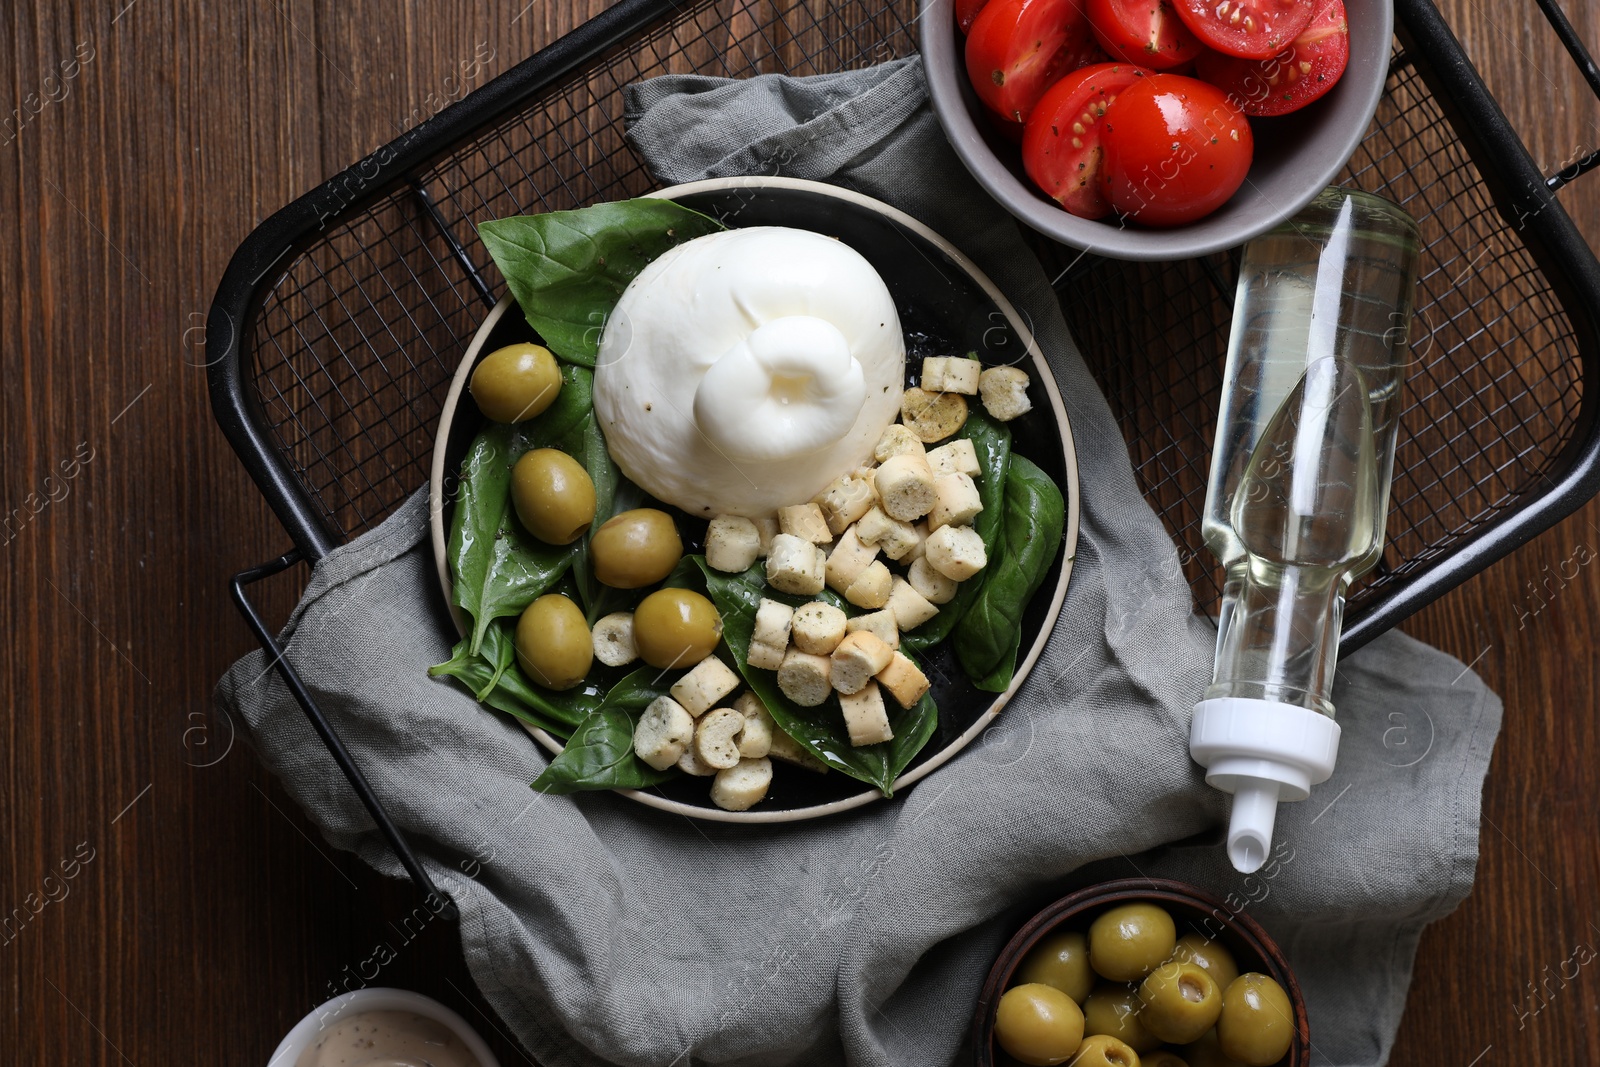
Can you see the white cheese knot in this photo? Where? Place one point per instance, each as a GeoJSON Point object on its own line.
{"type": "Point", "coordinates": [789, 389]}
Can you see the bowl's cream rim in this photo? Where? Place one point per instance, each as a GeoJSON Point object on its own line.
{"type": "Point", "coordinates": [385, 998]}
{"type": "Point", "coordinates": [1069, 539]}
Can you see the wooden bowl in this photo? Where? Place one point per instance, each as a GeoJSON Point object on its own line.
{"type": "Point", "coordinates": [1191, 909]}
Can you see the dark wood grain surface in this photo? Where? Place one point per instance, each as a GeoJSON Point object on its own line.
{"type": "Point", "coordinates": [167, 903]}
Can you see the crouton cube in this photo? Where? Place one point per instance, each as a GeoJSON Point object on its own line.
{"type": "Point", "coordinates": [859, 656]}
{"type": "Point", "coordinates": [872, 587]}
{"type": "Point", "coordinates": [663, 732]}
{"type": "Point", "coordinates": [956, 552]}
{"type": "Point", "coordinates": [732, 544]}
{"type": "Point", "coordinates": [791, 751]}
{"type": "Point", "coordinates": [691, 763]}
{"type": "Point", "coordinates": [804, 678]}
{"type": "Point", "coordinates": [756, 740]}
{"type": "Point", "coordinates": [880, 624]}
{"type": "Point", "coordinates": [956, 501]}
{"type": "Point", "coordinates": [932, 416]}
{"type": "Point", "coordinates": [950, 374]}
{"type": "Point", "coordinates": [920, 532]}
{"type": "Point", "coordinates": [769, 639]}
{"type": "Point", "coordinates": [806, 522]}
{"type": "Point", "coordinates": [909, 607]}
{"type": "Point", "coordinates": [795, 565]}
{"type": "Point", "coordinates": [957, 457]}
{"type": "Point", "coordinates": [864, 716]}
{"type": "Point", "coordinates": [873, 525]}
{"type": "Point", "coordinates": [818, 628]}
{"type": "Point", "coordinates": [897, 440]}
{"type": "Point", "coordinates": [716, 737]}
{"type": "Point", "coordinates": [934, 587]}
{"type": "Point", "coordinates": [849, 558]}
{"type": "Point", "coordinates": [766, 529]}
{"type": "Point", "coordinates": [902, 540]}
{"type": "Point", "coordinates": [846, 499]}
{"type": "Point", "coordinates": [708, 682]}
{"type": "Point", "coordinates": [904, 680]}
{"type": "Point", "coordinates": [906, 488]}
{"type": "Point", "coordinates": [741, 787]}
{"type": "Point", "coordinates": [613, 639]}
{"type": "Point", "coordinates": [1005, 392]}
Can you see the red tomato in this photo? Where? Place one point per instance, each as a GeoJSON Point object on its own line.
{"type": "Point", "coordinates": [1175, 150]}
{"type": "Point", "coordinates": [1250, 29]}
{"type": "Point", "coordinates": [966, 11]}
{"type": "Point", "coordinates": [1146, 32]}
{"type": "Point", "coordinates": [1061, 142]}
{"type": "Point", "coordinates": [1294, 77]}
{"type": "Point", "coordinates": [1018, 48]}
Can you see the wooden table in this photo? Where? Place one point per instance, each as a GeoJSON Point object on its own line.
{"type": "Point", "coordinates": [178, 909]}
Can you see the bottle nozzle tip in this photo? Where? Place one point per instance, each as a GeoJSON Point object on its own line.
{"type": "Point", "coordinates": [1248, 851]}
{"type": "Point", "coordinates": [1255, 810]}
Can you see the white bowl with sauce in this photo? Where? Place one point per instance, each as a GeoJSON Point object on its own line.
{"type": "Point", "coordinates": [398, 1008]}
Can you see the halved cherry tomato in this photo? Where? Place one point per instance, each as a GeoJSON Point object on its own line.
{"type": "Point", "coordinates": [966, 11]}
{"type": "Point", "coordinates": [1018, 48]}
{"type": "Point", "coordinates": [1146, 32]}
{"type": "Point", "coordinates": [1250, 29]}
{"type": "Point", "coordinates": [1175, 150]}
{"type": "Point", "coordinates": [1294, 77]}
{"type": "Point", "coordinates": [1061, 142]}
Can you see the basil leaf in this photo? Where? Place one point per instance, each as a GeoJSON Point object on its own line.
{"type": "Point", "coordinates": [498, 568]}
{"type": "Point", "coordinates": [820, 730]}
{"type": "Point", "coordinates": [600, 753]}
{"type": "Point", "coordinates": [568, 268]}
{"type": "Point", "coordinates": [507, 689]}
{"type": "Point", "coordinates": [989, 634]}
{"type": "Point", "coordinates": [992, 442]}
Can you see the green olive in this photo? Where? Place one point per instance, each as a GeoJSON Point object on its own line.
{"type": "Point", "coordinates": [1209, 956]}
{"type": "Point", "coordinates": [1038, 1024]}
{"type": "Point", "coordinates": [1113, 1010]}
{"type": "Point", "coordinates": [516, 382]}
{"type": "Point", "coordinates": [1180, 1002]}
{"type": "Point", "coordinates": [1103, 1050]}
{"type": "Point", "coordinates": [1129, 941]}
{"type": "Point", "coordinates": [635, 549]}
{"type": "Point", "coordinates": [1162, 1058]}
{"type": "Point", "coordinates": [1257, 1022]}
{"type": "Point", "coordinates": [553, 642]}
{"type": "Point", "coordinates": [1062, 961]}
{"type": "Point", "coordinates": [1206, 1052]}
{"type": "Point", "coordinates": [553, 495]}
{"type": "Point", "coordinates": [675, 628]}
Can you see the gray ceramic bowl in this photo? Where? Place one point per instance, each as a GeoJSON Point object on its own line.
{"type": "Point", "coordinates": [1296, 156]}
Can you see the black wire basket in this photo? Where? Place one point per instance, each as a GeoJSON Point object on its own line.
{"type": "Point", "coordinates": [339, 322]}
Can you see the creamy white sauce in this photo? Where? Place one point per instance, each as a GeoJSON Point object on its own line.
{"type": "Point", "coordinates": [387, 1039]}
{"type": "Point", "coordinates": [745, 370]}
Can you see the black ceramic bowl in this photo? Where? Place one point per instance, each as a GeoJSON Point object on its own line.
{"type": "Point", "coordinates": [1193, 910]}
{"type": "Point", "coordinates": [946, 306]}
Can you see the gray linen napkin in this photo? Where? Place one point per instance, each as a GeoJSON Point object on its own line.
{"type": "Point", "coordinates": [603, 931]}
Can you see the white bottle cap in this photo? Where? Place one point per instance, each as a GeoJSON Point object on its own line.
{"type": "Point", "coordinates": [1261, 751]}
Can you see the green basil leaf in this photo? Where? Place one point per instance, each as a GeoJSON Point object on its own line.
{"type": "Point", "coordinates": [989, 634]}
{"type": "Point", "coordinates": [991, 440]}
{"type": "Point", "coordinates": [568, 268]}
{"type": "Point", "coordinates": [600, 755]}
{"type": "Point", "coordinates": [819, 730]}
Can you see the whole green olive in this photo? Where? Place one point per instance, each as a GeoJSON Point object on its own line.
{"type": "Point", "coordinates": [1103, 1050]}
{"type": "Point", "coordinates": [1180, 1002]}
{"type": "Point", "coordinates": [553, 642]}
{"type": "Point", "coordinates": [1062, 961]}
{"type": "Point", "coordinates": [675, 628]}
{"type": "Point", "coordinates": [1257, 1022]}
{"type": "Point", "coordinates": [553, 495]}
{"type": "Point", "coordinates": [1038, 1024]}
{"type": "Point", "coordinates": [1206, 1052]}
{"type": "Point", "coordinates": [1162, 1058]}
{"type": "Point", "coordinates": [1209, 956]}
{"type": "Point", "coordinates": [516, 382]}
{"type": "Point", "coordinates": [1113, 1010]}
{"type": "Point", "coordinates": [1129, 941]}
{"type": "Point", "coordinates": [635, 549]}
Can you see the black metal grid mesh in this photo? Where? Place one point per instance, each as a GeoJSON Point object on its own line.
{"type": "Point", "coordinates": [356, 341]}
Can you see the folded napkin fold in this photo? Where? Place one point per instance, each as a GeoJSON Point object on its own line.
{"type": "Point", "coordinates": [604, 931]}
